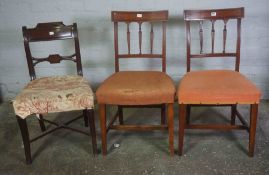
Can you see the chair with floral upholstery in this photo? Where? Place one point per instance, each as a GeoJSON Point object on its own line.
{"type": "Point", "coordinates": [53, 94]}
{"type": "Point", "coordinates": [216, 87]}
{"type": "Point", "coordinates": [128, 89]}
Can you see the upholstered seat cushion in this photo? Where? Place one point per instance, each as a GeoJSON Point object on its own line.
{"type": "Point", "coordinates": [54, 94]}
{"type": "Point", "coordinates": [217, 87]}
{"type": "Point", "coordinates": [136, 88]}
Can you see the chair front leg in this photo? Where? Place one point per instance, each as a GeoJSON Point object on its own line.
{"type": "Point", "coordinates": [102, 115]}
{"type": "Point", "coordinates": [85, 116]}
{"type": "Point", "coordinates": [252, 129]}
{"type": "Point", "coordinates": [92, 129]}
{"type": "Point", "coordinates": [25, 138]}
{"type": "Point", "coordinates": [182, 123]}
{"type": "Point", "coordinates": [41, 122]}
{"type": "Point", "coordinates": [171, 127]}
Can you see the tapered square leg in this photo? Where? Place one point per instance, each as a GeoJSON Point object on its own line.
{"type": "Point", "coordinates": [41, 123]}
{"type": "Point", "coordinates": [188, 117]}
{"type": "Point", "coordinates": [181, 131]}
{"type": "Point", "coordinates": [102, 115]}
{"type": "Point", "coordinates": [25, 138]}
{"type": "Point", "coordinates": [252, 129]}
{"type": "Point", "coordinates": [92, 129]}
{"type": "Point", "coordinates": [171, 127]}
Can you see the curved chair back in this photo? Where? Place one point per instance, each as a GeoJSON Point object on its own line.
{"type": "Point", "coordinates": [49, 32]}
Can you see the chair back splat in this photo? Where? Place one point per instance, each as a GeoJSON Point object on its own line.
{"type": "Point", "coordinates": [224, 15]}
{"type": "Point", "coordinates": [140, 18]}
{"type": "Point", "coordinates": [48, 32]}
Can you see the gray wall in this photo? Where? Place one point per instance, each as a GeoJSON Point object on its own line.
{"type": "Point", "coordinates": [96, 38]}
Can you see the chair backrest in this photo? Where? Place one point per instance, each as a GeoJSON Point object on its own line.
{"type": "Point", "coordinates": [48, 32]}
{"type": "Point", "coordinates": [140, 17]}
{"type": "Point", "coordinates": [213, 15]}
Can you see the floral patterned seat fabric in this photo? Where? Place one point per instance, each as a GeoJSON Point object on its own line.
{"type": "Point", "coordinates": [54, 94]}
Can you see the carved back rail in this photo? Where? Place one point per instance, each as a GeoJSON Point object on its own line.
{"type": "Point", "coordinates": [48, 32]}
{"type": "Point", "coordinates": [213, 15]}
{"type": "Point", "coordinates": [140, 17]}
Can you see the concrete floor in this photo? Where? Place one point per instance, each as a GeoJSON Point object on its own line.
{"type": "Point", "coordinates": [206, 152]}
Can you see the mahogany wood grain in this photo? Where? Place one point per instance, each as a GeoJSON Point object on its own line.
{"type": "Point", "coordinates": [215, 14]}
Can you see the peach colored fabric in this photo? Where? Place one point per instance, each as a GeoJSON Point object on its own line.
{"type": "Point", "coordinates": [217, 87]}
{"type": "Point", "coordinates": [136, 88]}
{"type": "Point", "coordinates": [54, 94]}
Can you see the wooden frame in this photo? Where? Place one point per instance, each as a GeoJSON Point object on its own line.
{"type": "Point", "coordinates": [185, 109]}
{"type": "Point", "coordinates": [48, 32]}
{"type": "Point", "coordinates": [138, 17]}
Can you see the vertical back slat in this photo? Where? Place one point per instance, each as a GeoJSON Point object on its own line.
{"type": "Point", "coordinates": [188, 46]}
{"type": "Point", "coordinates": [151, 38]}
{"type": "Point", "coordinates": [201, 35]}
{"type": "Point", "coordinates": [213, 35]}
{"type": "Point", "coordinates": [238, 43]}
{"type": "Point", "coordinates": [164, 48]}
{"type": "Point", "coordinates": [128, 37]}
{"type": "Point", "coordinates": [116, 46]}
{"type": "Point", "coordinates": [224, 35]}
{"type": "Point", "coordinates": [140, 37]}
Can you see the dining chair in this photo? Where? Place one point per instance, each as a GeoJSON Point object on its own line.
{"type": "Point", "coordinates": [216, 87]}
{"type": "Point", "coordinates": [138, 89]}
{"type": "Point", "coordinates": [53, 94]}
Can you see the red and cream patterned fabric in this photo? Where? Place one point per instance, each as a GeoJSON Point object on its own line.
{"type": "Point", "coordinates": [54, 94]}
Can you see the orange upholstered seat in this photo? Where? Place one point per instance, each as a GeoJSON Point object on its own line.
{"type": "Point", "coordinates": [136, 87]}
{"type": "Point", "coordinates": [217, 87]}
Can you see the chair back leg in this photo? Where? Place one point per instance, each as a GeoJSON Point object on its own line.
{"type": "Point", "coordinates": [85, 115]}
{"type": "Point", "coordinates": [188, 113]}
{"type": "Point", "coordinates": [233, 114]}
{"type": "Point", "coordinates": [163, 114]}
{"type": "Point", "coordinates": [25, 138]}
{"type": "Point", "coordinates": [41, 123]}
{"type": "Point", "coordinates": [120, 110]}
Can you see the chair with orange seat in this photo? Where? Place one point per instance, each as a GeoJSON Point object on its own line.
{"type": "Point", "coordinates": [127, 89]}
{"type": "Point", "coordinates": [216, 87]}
